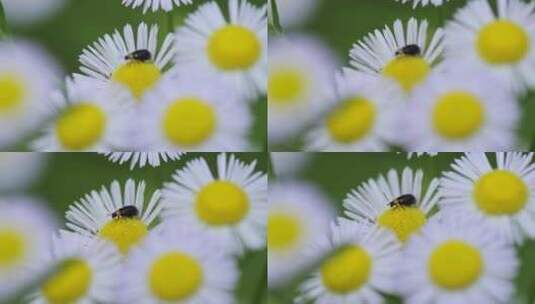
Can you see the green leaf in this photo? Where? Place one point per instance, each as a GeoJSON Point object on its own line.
{"type": "Point", "coordinates": [274, 22]}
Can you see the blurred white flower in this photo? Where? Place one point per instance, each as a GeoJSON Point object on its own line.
{"type": "Point", "coordinates": [461, 109]}
{"type": "Point", "coordinates": [301, 84]}
{"type": "Point", "coordinates": [424, 2]}
{"type": "Point", "coordinates": [86, 118]}
{"type": "Point", "coordinates": [27, 78]}
{"type": "Point", "coordinates": [288, 164]}
{"type": "Point", "coordinates": [362, 119]}
{"type": "Point", "coordinates": [179, 265]}
{"type": "Point", "coordinates": [295, 12]}
{"type": "Point", "coordinates": [27, 12]}
{"type": "Point", "coordinates": [87, 271]}
{"type": "Point", "coordinates": [26, 230]}
{"type": "Point", "coordinates": [18, 171]}
{"type": "Point", "coordinates": [191, 113]}
{"type": "Point", "coordinates": [298, 214]}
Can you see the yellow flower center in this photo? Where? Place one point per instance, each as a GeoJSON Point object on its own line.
{"type": "Point", "coordinates": [189, 121]}
{"type": "Point", "coordinates": [286, 86]}
{"type": "Point", "coordinates": [12, 92]}
{"type": "Point", "coordinates": [503, 42]}
{"type": "Point", "coordinates": [124, 232]}
{"type": "Point", "coordinates": [501, 192]}
{"type": "Point", "coordinates": [70, 283]}
{"type": "Point", "coordinates": [455, 265]}
{"type": "Point", "coordinates": [347, 270]}
{"type": "Point", "coordinates": [234, 47]}
{"type": "Point", "coordinates": [175, 276]}
{"type": "Point", "coordinates": [81, 126]}
{"type": "Point", "coordinates": [352, 121]}
{"type": "Point", "coordinates": [137, 76]}
{"type": "Point", "coordinates": [458, 115]}
{"type": "Point", "coordinates": [403, 221]}
{"type": "Point", "coordinates": [12, 248]}
{"type": "Point", "coordinates": [284, 231]}
{"type": "Point", "coordinates": [408, 71]}
{"type": "Point", "coordinates": [222, 203]}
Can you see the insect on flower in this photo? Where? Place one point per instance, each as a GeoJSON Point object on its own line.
{"type": "Point", "coordinates": [125, 212]}
{"type": "Point", "coordinates": [139, 55]}
{"type": "Point", "coordinates": [409, 50]}
{"type": "Point", "coordinates": [405, 200]}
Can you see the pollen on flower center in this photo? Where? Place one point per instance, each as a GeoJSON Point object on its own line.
{"type": "Point", "coordinates": [137, 76]}
{"type": "Point", "coordinates": [284, 231]}
{"type": "Point", "coordinates": [12, 92]}
{"type": "Point", "coordinates": [222, 203]}
{"type": "Point", "coordinates": [352, 120]}
{"type": "Point", "coordinates": [458, 115]}
{"type": "Point", "coordinates": [455, 265]}
{"type": "Point", "coordinates": [70, 283]}
{"type": "Point", "coordinates": [503, 42]}
{"type": "Point", "coordinates": [285, 86]}
{"type": "Point", "coordinates": [403, 221]}
{"type": "Point", "coordinates": [501, 192]}
{"type": "Point", "coordinates": [175, 276]}
{"type": "Point", "coordinates": [189, 121]}
{"type": "Point", "coordinates": [408, 71]}
{"type": "Point", "coordinates": [347, 270]}
{"type": "Point", "coordinates": [124, 232]}
{"type": "Point", "coordinates": [12, 247]}
{"type": "Point", "coordinates": [234, 47]}
{"type": "Point", "coordinates": [81, 126]}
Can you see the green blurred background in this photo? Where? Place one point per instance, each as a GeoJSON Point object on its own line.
{"type": "Point", "coordinates": [341, 23]}
{"type": "Point", "coordinates": [67, 177]}
{"type": "Point", "coordinates": [81, 22]}
{"type": "Point", "coordinates": [338, 173]}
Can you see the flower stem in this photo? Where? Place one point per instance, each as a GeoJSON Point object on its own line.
{"type": "Point", "coordinates": [274, 20]}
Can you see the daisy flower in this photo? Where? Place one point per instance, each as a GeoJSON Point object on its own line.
{"type": "Point", "coordinates": [233, 50]}
{"type": "Point", "coordinates": [374, 202]}
{"type": "Point", "coordinates": [86, 118]}
{"type": "Point", "coordinates": [93, 215]}
{"type": "Point", "coordinates": [87, 271]}
{"type": "Point", "coordinates": [362, 267]}
{"type": "Point", "coordinates": [288, 164]}
{"type": "Point", "coordinates": [18, 171]}
{"type": "Point", "coordinates": [424, 2]}
{"type": "Point", "coordinates": [384, 53]}
{"type": "Point", "coordinates": [184, 114]}
{"type": "Point", "coordinates": [27, 12]}
{"type": "Point", "coordinates": [140, 159]}
{"type": "Point", "coordinates": [27, 77]}
{"type": "Point", "coordinates": [179, 265]}
{"type": "Point", "coordinates": [461, 110]}
{"type": "Point", "coordinates": [107, 58]}
{"type": "Point", "coordinates": [301, 84]}
{"type": "Point", "coordinates": [502, 195]}
{"type": "Point", "coordinates": [457, 261]}
{"type": "Point", "coordinates": [502, 43]}
{"type": "Point", "coordinates": [154, 5]}
{"type": "Point", "coordinates": [298, 214]}
{"type": "Point", "coordinates": [295, 12]}
{"type": "Point", "coordinates": [230, 204]}
{"type": "Point", "coordinates": [363, 118]}
{"type": "Point", "coordinates": [25, 232]}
